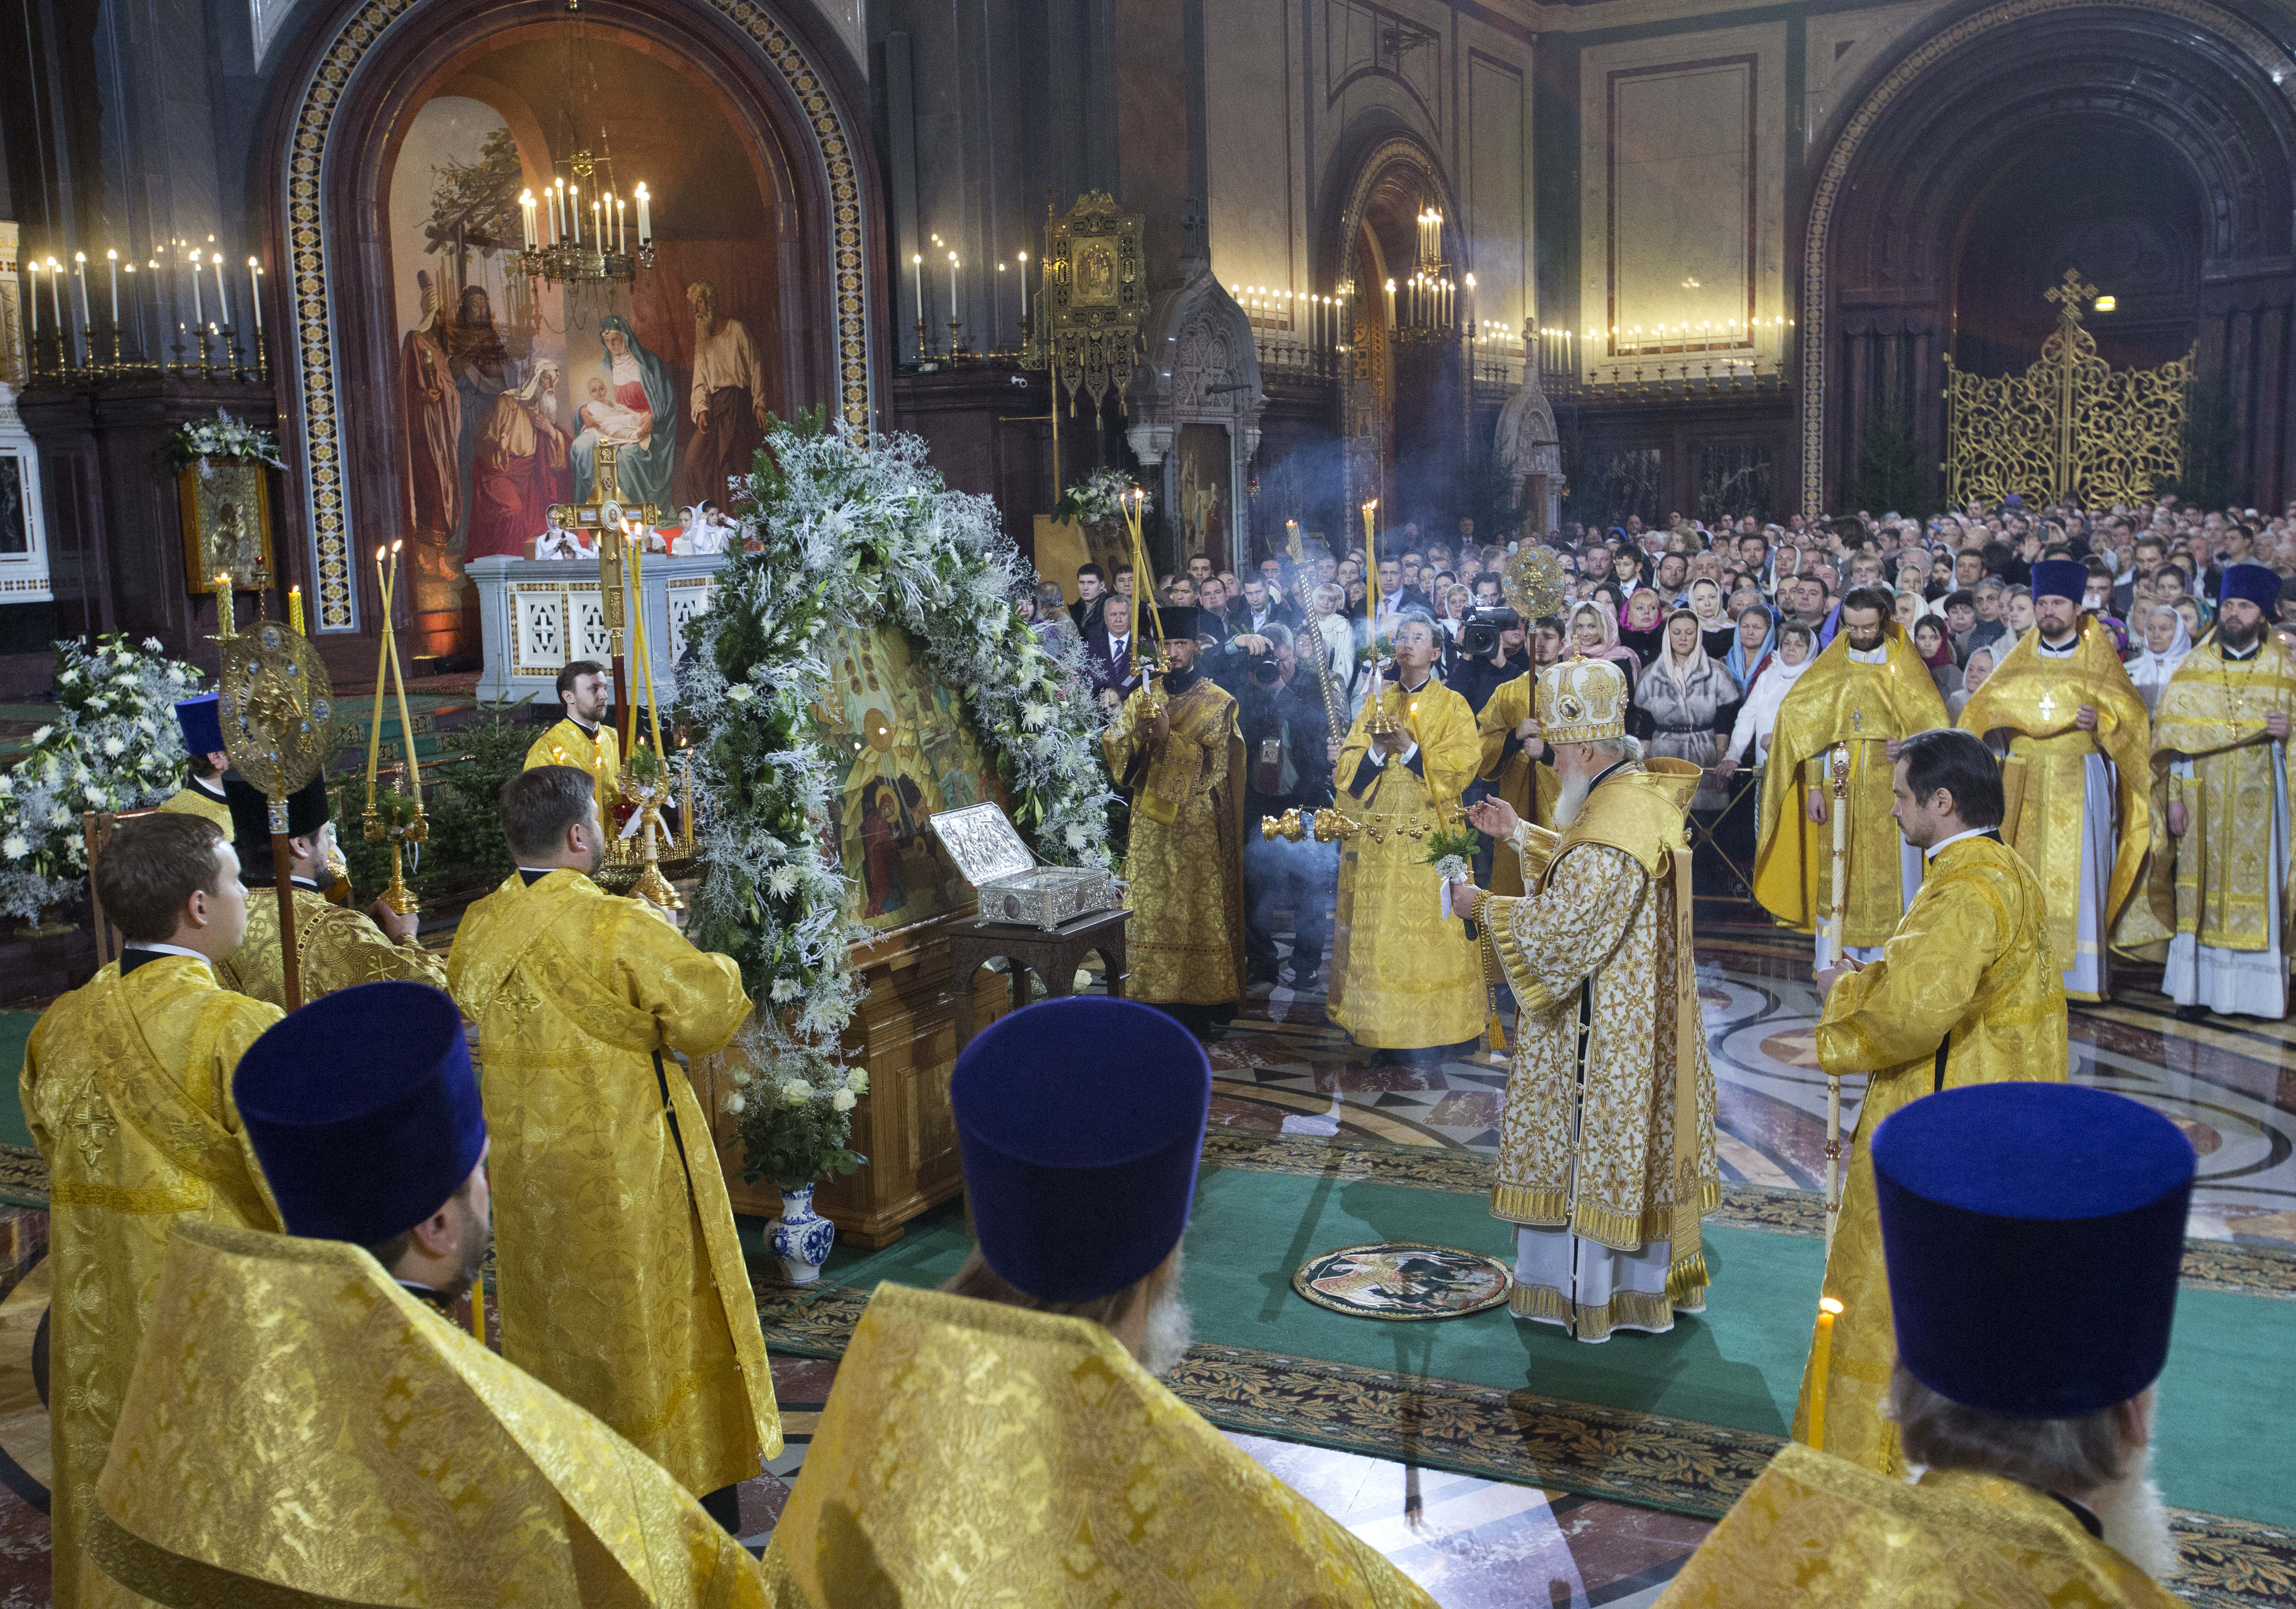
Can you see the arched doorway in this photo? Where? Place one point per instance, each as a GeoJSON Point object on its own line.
{"type": "Point", "coordinates": [401, 143]}
{"type": "Point", "coordinates": [2158, 140]}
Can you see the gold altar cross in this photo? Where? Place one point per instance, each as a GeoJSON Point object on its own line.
{"type": "Point", "coordinates": [604, 515]}
{"type": "Point", "coordinates": [2075, 289]}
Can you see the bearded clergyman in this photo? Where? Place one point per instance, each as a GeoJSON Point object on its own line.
{"type": "Point", "coordinates": [1868, 691]}
{"type": "Point", "coordinates": [2222, 780]}
{"type": "Point", "coordinates": [2073, 787]}
{"type": "Point", "coordinates": [1606, 1152]}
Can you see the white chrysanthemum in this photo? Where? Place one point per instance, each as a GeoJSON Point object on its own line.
{"type": "Point", "coordinates": [786, 989]}
{"type": "Point", "coordinates": [14, 847]}
{"type": "Point", "coordinates": [7, 787]}
{"type": "Point", "coordinates": [1075, 836]}
{"type": "Point", "coordinates": [857, 1081]}
{"type": "Point", "coordinates": [736, 1101]}
{"type": "Point", "coordinates": [65, 678]}
{"type": "Point", "coordinates": [60, 817]}
{"type": "Point", "coordinates": [154, 646]}
{"type": "Point", "coordinates": [740, 693]}
{"type": "Point", "coordinates": [1036, 714]}
{"type": "Point", "coordinates": [40, 734]}
{"type": "Point", "coordinates": [843, 1100]}
{"type": "Point", "coordinates": [125, 678]}
{"type": "Point", "coordinates": [114, 746]}
{"type": "Point", "coordinates": [782, 882]}
{"type": "Point", "coordinates": [796, 1092]}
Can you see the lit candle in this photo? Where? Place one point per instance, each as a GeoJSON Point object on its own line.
{"type": "Point", "coordinates": [295, 610]}
{"type": "Point", "coordinates": [1024, 292]}
{"type": "Point", "coordinates": [223, 624]}
{"type": "Point", "coordinates": [1391, 304]}
{"type": "Point", "coordinates": [111, 260]}
{"type": "Point", "coordinates": [550, 193]}
{"type": "Point", "coordinates": [952, 285]}
{"type": "Point", "coordinates": [645, 216]}
{"type": "Point", "coordinates": [198, 313]}
{"type": "Point", "coordinates": [80, 272]}
{"type": "Point", "coordinates": [526, 217]}
{"type": "Point", "coordinates": [597, 231]}
{"type": "Point", "coordinates": [33, 269]}
{"type": "Point", "coordinates": [255, 287]}
{"type": "Point", "coordinates": [1822, 1364]}
{"type": "Point", "coordinates": [621, 228]}
{"type": "Point", "coordinates": [917, 262]}
{"type": "Point", "coordinates": [382, 664]}
{"type": "Point", "coordinates": [222, 293]}
{"type": "Point", "coordinates": [574, 210]}
{"type": "Point", "coordinates": [398, 684]}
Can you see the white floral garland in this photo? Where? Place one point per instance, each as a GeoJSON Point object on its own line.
{"type": "Point", "coordinates": [114, 745]}
{"type": "Point", "coordinates": [855, 528]}
{"type": "Point", "coordinates": [220, 436]}
{"type": "Point", "coordinates": [1099, 499]}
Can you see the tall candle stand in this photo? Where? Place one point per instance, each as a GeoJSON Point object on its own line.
{"type": "Point", "coordinates": [396, 818]}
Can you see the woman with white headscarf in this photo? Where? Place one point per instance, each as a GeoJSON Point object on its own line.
{"type": "Point", "coordinates": [1689, 700]}
{"type": "Point", "coordinates": [2166, 642]}
{"type": "Point", "coordinates": [1760, 713]}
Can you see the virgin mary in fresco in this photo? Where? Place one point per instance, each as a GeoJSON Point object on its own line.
{"type": "Point", "coordinates": [641, 384]}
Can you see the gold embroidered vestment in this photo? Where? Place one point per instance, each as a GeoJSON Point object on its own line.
{"type": "Point", "coordinates": [1603, 929]}
{"type": "Point", "coordinates": [2214, 882]}
{"type": "Point", "coordinates": [2044, 782]}
{"type": "Point", "coordinates": [192, 800]}
{"type": "Point", "coordinates": [1839, 701]}
{"type": "Point", "coordinates": [1972, 959]}
{"type": "Point", "coordinates": [1819, 1532]}
{"type": "Point", "coordinates": [127, 1089]}
{"type": "Point", "coordinates": [311, 1428]}
{"type": "Point", "coordinates": [973, 1454]}
{"type": "Point", "coordinates": [336, 947]}
{"type": "Point", "coordinates": [1403, 975]}
{"type": "Point", "coordinates": [1185, 858]}
{"type": "Point", "coordinates": [567, 744]}
{"type": "Point", "coordinates": [619, 1280]}
{"type": "Point", "coordinates": [1530, 787]}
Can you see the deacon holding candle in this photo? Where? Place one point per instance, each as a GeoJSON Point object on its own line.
{"type": "Point", "coordinates": [1967, 991]}
{"type": "Point", "coordinates": [583, 738]}
{"type": "Point", "coordinates": [2033, 1234]}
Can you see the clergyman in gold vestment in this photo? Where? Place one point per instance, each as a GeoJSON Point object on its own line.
{"type": "Point", "coordinates": [1185, 769]}
{"type": "Point", "coordinates": [583, 738]}
{"type": "Point", "coordinates": [200, 722]}
{"type": "Point", "coordinates": [2223, 775]}
{"type": "Point", "coordinates": [309, 1418]}
{"type": "Point", "coordinates": [1404, 975]}
{"type": "Point", "coordinates": [1867, 691]}
{"type": "Point", "coordinates": [335, 947]}
{"type": "Point", "coordinates": [1005, 1440]}
{"type": "Point", "coordinates": [2074, 786]}
{"type": "Point", "coordinates": [1512, 750]}
{"type": "Point", "coordinates": [1606, 1151]}
{"type": "Point", "coordinates": [127, 1089]}
{"type": "Point", "coordinates": [1967, 991]}
{"type": "Point", "coordinates": [2033, 1432]}
{"type": "Point", "coordinates": [620, 1283]}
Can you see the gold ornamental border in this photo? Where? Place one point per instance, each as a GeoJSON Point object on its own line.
{"type": "Point", "coordinates": [323, 447]}
{"type": "Point", "coordinates": [2250, 41]}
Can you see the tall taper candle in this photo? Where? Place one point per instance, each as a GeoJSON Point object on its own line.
{"type": "Point", "coordinates": [295, 610]}
{"type": "Point", "coordinates": [32, 296]}
{"type": "Point", "coordinates": [646, 216]}
{"type": "Point", "coordinates": [255, 287]}
{"type": "Point", "coordinates": [1821, 1364]}
{"type": "Point", "coordinates": [199, 312]}
{"type": "Point", "coordinates": [398, 685]}
{"type": "Point", "coordinates": [381, 665]}
{"type": "Point", "coordinates": [952, 287]}
{"type": "Point", "coordinates": [80, 272]}
{"type": "Point", "coordinates": [111, 260]}
{"type": "Point", "coordinates": [223, 292]}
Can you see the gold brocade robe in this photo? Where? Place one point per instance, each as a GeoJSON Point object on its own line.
{"type": "Point", "coordinates": [1971, 960]}
{"type": "Point", "coordinates": [1186, 860]}
{"type": "Point", "coordinates": [619, 1280]}
{"type": "Point", "coordinates": [2213, 882]}
{"type": "Point", "coordinates": [2044, 782]}
{"type": "Point", "coordinates": [126, 1088]}
{"type": "Point", "coordinates": [1530, 787]}
{"type": "Point", "coordinates": [1817, 1532]}
{"type": "Point", "coordinates": [308, 1427]}
{"type": "Point", "coordinates": [973, 1454]}
{"type": "Point", "coordinates": [1604, 934]}
{"type": "Point", "coordinates": [1839, 701]}
{"type": "Point", "coordinates": [193, 800]}
{"type": "Point", "coordinates": [567, 744]}
{"type": "Point", "coordinates": [334, 946]}
{"type": "Point", "coordinates": [1403, 975]}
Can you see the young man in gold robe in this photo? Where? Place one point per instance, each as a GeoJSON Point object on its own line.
{"type": "Point", "coordinates": [620, 1283]}
{"type": "Point", "coordinates": [1606, 1152]}
{"type": "Point", "coordinates": [1967, 991]}
{"type": "Point", "coordinates": [1183, 766]}
{"type": "Point", "coordinates": [1404, 975]}
{"type": "Point", "coordinates": [1006, 1438]}
{"type": "Point", "coordinates": [127, 1089]}
{"type": "Point", "coordinates": [1867, 692]}
{"type": "Point", "coordinates": [583, 738]}
{"type": "Point", "coordinates": [1512, 750]}
{"type": "Point", "coordinates": [310, 1419]}
{"type": "Point", "coordinates": [2074, 786]}
{"type": "Point", "coordinates": [2034, 1432]}
{"type": "Point", "coordinates": [335, 947]}
{"type": "Point", "coordinates": [200, 722]}
{"type": "Point", "coordinates": [2224, 776]}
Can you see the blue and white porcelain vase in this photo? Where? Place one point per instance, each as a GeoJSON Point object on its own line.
{"type": "Point", "coordinates": [802, 1237]}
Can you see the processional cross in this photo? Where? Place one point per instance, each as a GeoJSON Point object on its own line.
{"type": "Point", "coordinates": [2072, 293]}
{"type": "Point", "coordinates": [604, 516]}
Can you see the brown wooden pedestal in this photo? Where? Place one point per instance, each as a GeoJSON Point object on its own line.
{"type": "Point", "coordinates": [1054, 957]}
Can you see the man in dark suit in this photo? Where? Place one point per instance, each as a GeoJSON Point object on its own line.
{"type": "Point", "coordinates": [1092, 591]}
{"type": "Point", "coordinates": [1108, 651]}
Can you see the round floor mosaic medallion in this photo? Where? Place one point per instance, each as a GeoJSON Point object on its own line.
{"type": "Point", "coordinates": [1402, 1279]}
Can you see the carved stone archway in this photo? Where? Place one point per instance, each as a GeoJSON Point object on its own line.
{"type": "Point", "coordinates": [1198, 367]}
{"type": "Point", "coordinates": [1910, 158]}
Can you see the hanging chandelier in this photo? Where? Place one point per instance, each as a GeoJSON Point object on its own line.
{"type": "Point", "coordinates": [578, 231]}
{"type": "Point", "coordinates": [1425, 306]}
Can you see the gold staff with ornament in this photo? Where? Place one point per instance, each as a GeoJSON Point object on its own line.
{"type": "Point", "coordinates": [646, 772]}
{"type": "Point", "coordinates": [278, 714]}
{"type": "Point", "coordinates": [1151, 665]}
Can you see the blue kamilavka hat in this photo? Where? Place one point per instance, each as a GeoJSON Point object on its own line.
{"type": "Point", "coordinates": [363, 1111]}
{"type": "Point", "coordinates": [2258, 584]}
{"type": "Point", "coordinates": [1080, 1122]}
{"type": "Point", "coordinates": [2060, 579]}
{"type": "Point", "coordinates": [202, 720]}
{"type": "Point", "coordinates": [2033, 1234]}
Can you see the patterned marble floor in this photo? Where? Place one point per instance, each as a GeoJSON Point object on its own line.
{"type": "Point", "coordinates": [2229, 1083]}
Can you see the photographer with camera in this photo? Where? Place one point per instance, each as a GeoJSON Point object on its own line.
{"type": "Point", "coordinates": [1288, 750]}
{"type": "Point", "coordinates": [1492, 654]}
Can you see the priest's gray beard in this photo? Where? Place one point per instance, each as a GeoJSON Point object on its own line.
{"type": "Point", "coordinates": [2136, 1521]}
{"type": "Point", "coordinates": [1572, 799]}
{"type": "Point", "coordinates": [1169, 1323]}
